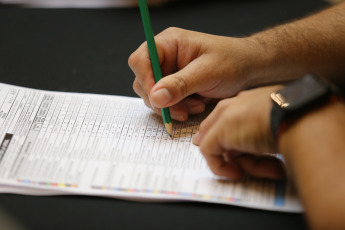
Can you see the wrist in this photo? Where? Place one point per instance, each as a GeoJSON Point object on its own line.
{"type": "Point", "coordinates": [278, 62]}
{"type": "Point", "coordinates": [268, 63]}
{"type": "Point", "coordinates": [321, 125]}
{"type": "Point", "coordinates": [244, 60]}
{"type": "Point", "coordinates": [261, 62]}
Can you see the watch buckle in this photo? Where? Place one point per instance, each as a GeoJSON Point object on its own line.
{"type": "Point", "coordinates": [279, 99]}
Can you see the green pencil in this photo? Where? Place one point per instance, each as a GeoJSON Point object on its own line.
{"type": "Point", "coordinates": [157, 72]}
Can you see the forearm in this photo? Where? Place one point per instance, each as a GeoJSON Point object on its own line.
{"type": "Point", "coordinates": [314, 44]}
{"type": "Point", "coordinates": [315, 153]}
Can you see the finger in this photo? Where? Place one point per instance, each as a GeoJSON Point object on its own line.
{"type": "Point", "coordinates": [261, 166]}
{"type": "Point", "coordinates": [140, 64]}
{"type": "Point", "coordinates": [140, 61]}
{"type": "Point", "coordinates": [193, 105]}
{"type": "Point", "coordinates": [141, 93]}
{"type": "Point", "coordinates": [210, 120]}
{"type": "Point", "coordinates": [179, 112]}
{"type": "Point", "coordinates": [190, 105]}
{"type": "Point", "coordinates": [223, 165]}
{"type": "Point", "coordinates": [212, 149]}
{"type": "Point", "coordinates": [167, 48]}
{"type": "Point", "coordinates": [175, 87]}
{"type": "Point", "coordinates": [214, 144]}
{"type": "Point", "coordinates": [210, 101]}
{"type": "Point", "coordinates": [179, 47]}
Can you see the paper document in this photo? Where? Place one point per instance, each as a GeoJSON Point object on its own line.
{"type": "Point", "coordinates": [73, 143]}
{"type": "Point", "coordinates": [82, 3]}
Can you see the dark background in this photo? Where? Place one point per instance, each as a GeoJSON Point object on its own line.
{"type": "Point", "coordinates": [86, 50]}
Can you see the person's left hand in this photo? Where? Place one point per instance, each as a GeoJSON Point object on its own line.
{"type": "Point", "coordinates": [236, 135]}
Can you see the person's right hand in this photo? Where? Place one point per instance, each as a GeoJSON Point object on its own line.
{"type": "Point", "coordinates": [197, 67]}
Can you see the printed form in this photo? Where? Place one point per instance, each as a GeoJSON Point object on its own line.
{"type": "Point", "coordinates": [113, 146]}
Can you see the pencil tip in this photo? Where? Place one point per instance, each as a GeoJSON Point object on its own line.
{"type": "Point", "coordinates": [168, 127]}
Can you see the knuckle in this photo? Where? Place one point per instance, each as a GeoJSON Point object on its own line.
{"type": "Point", "coordinates": [139, 90]}
{"type": "Point", "coordinates": [205, 125]}
{"type": "Point", "coordinates": [137, 56]}
{"type": "Point", "coordinates": [170, 33]}
{"type": "Point", "coordinates": [171, 30]}
{"type": "Point", "coordinates": [244, 94]}
{"type": "Point", "coordinates": [136, 86]}
{"type": "Point", "coordinates": [202, 126]}
{"type": "Point", "coordinates": [222, 105]}
{"type": "Point", "coordinates": [216, 170]}
{"type": "Point", "coordinates": [181, 85]}
{"type": "Point", "coordinates": [133, 59]}
{"type": "Point", "coordinates": [203, 150]}
{"type": "Point", "coordinates": [148, 105]}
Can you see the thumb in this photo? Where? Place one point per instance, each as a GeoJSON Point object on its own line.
{"type": "Point", "coordinates": [175, 87]}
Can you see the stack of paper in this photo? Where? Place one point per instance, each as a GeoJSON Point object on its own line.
{"type": "Point", "coordinates": [82, 3]}
{"type": "Point", "coordinates": [71, 143]}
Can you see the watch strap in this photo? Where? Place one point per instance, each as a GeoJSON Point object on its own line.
{"type": "Point", "coordinates": [298, 98]}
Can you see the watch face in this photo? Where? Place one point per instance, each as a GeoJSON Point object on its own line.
{"type": "Point", "coordinates": [300, 92]}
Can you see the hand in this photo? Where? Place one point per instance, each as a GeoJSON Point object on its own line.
{"type": "Point", "coordinates": [197, 67]}
{"type": "Point", "coordinates": [235, 136]}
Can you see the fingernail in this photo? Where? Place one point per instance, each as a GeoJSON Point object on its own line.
{"type": "Point", "coordinates": [152, 106]}
{"type": "Point", "coordinates": [197, 108]}
{"type": "Point", "coordinates": [162, 97]}
{"type": "Point", "coordinates": [178, 116]}
{"type": "Point", "coordinates": [196, 139]}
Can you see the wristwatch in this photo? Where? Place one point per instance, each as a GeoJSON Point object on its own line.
{"type": "Point", "coordinates": [297, 98]}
